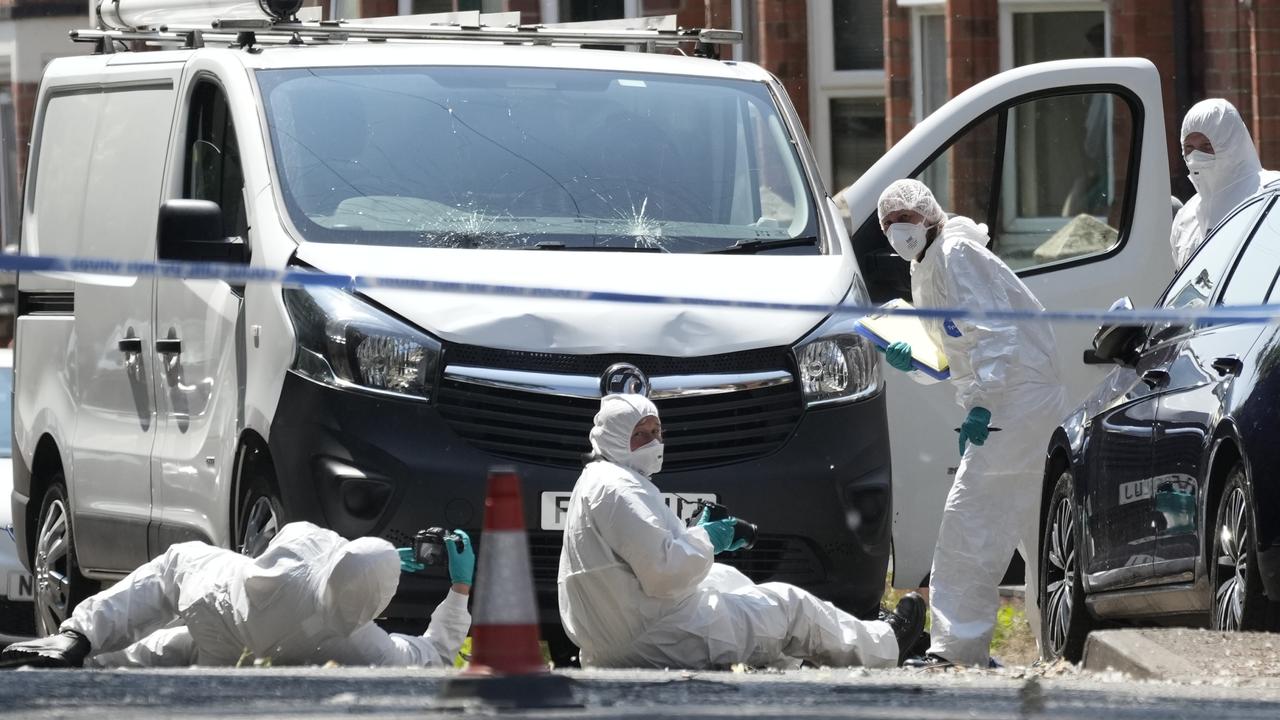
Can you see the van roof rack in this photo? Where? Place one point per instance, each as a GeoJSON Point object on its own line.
{"type": "Point", "coordinates": [645, 34]}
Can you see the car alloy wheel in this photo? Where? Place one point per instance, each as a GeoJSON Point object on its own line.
{"type": "Point", "coordinates": [51, 568]}
{"type": "Point", "coordinates": [1238, 601]}
{"type": "Point", "coordinates": [1064, 620]}
{"type": "Point", "coordinates": [262, 522]}
{"type": "Point", "coordinates": [59, 585]}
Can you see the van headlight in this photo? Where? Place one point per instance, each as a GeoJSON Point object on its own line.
{"type": "Point", "coordinates": [345, 342]}
{"type": "Point", "coordinates": [836, 364]}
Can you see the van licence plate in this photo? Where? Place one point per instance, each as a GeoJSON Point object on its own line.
{"type": "Point", "coordinates": [556, 504]}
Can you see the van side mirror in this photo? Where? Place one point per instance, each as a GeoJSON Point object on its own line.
{"type": "Point", "coordinates": [191, 230]}
{"type": "Point", "coordinates": [1116, 343]}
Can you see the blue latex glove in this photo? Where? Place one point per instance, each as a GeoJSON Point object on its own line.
{"type": "Point", "coordinates": [898, 355]}
{"type": "Point", "coordinates": [462, 563]}
{"type": "Point", "coordinates": [407, 563]}
{"type": "Point", "coordinates": [720, 532]}
{"type": "Point", "coordinates": [975, 428]}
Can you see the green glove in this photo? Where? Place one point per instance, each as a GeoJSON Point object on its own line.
{"type": "Point", "coordinates": [462, 563]}
{"type": "Point", "coordinates": [407, 563]}
{"type": "Point", "coordinates": [898, 355]}
{"type": "Point", "coordinates": [975, 428]}
{"type": "Point", "coordinates": [720, 532]}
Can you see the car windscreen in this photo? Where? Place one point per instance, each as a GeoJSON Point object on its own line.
{"type": "Point", "coordinates": [506, 157]}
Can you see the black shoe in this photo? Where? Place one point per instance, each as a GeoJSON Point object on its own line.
{"type": "Point", "coordinates": [67, 649]}
{"type": "Point", "coordinates": [907, 621]}
{"type": "Point", "coordinates": [929, 662]}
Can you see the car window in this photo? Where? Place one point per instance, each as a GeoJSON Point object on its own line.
{"type": "Point", "coordinates": [213, 170]}
{"type": "Point", "coordinates": [1195, 284]}
{"type": "Point", "coordinates": [1254, 273]}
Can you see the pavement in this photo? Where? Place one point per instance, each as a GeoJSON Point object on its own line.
{"type": "Point", "coordinates": [1056, 691]}
{"type": "Point", "coordinates": [1186, 655]}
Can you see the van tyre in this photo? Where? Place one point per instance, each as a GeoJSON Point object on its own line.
{"type": "Point", "coordinates": [260, 517]}
{"type": "Point", "coordinates": [1238, 601]}
{"type": "Point", "coordinates": [1064, 620]}
{"type": "Point", "coordinates": [59, 585]}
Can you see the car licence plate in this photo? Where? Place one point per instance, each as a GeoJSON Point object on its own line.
{"type": "Point", "coordinates": [20, 587]}
{"type": "Point", "coordinates": [555, 505]}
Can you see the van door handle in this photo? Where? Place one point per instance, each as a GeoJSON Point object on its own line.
{"type": "Point", "coordinates": [130, 345]}
{"type": "Point", "coordinates": [1228, 365]}
{"type": "Point", "coordinates": [169, 346]}
{"type": "Point", "coordinates": [1156, 378]}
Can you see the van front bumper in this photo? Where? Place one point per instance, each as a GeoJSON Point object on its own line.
{"type": "Point", "coordinates": [374, 465]}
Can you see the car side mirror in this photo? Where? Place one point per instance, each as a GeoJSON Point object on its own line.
{"type": "Point", "coordinates": [1116, 343]}
{"type": "Point", "coordinates": [191, 231]}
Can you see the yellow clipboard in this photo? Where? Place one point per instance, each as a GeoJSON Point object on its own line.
{"type": "Point", "coordinates": [886, 329]}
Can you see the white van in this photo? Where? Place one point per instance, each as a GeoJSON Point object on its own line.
{"type": "Point", "coordinates": [152, 411]}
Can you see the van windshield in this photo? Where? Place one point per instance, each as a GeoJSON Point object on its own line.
{"type": "Point", "coordinates": [535, 158]}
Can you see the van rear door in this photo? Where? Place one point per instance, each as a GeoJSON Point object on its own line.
{"type": "Point", "coordinates": [1067, 165]}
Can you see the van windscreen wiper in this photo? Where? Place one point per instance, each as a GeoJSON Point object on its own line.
{"type": "Point", "coordinates": [751, 247]}
{"type": "Point", "coordinates": [557, 245]}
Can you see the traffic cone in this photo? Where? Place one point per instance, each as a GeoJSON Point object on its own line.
{"type": "Point", "coordinates": [506, 666]}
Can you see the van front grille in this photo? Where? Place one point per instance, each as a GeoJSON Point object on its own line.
{"type": "Point", "coordinates": [701, 431]}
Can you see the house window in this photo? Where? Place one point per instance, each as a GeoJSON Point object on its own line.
{"type": "Point", "coordinates": [847, 80]}
{"type": "Point", "coordinates": [858, 35]}
{"type": "Point", "coordinates": [1061, 155]}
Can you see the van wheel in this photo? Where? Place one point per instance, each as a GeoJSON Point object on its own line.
{"type": "Point", "coordinates": [1064, 619]}
{"type": "Point", "coordinates": [1238, 601]}
{"type": "Point", "coordinates": [59, 586]}
{"type": "Point", "coordinates": [261, 515]}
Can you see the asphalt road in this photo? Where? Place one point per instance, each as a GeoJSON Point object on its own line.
{"type": "Point", "coordinates": [377, 693]}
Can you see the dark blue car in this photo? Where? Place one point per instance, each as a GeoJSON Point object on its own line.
{"type": "Point", "coordinates": [1162, 489]}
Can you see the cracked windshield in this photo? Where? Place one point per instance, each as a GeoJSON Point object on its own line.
{"type": "Point", "coordinates": [512, 158]}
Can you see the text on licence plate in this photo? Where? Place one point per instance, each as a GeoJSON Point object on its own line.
{"type": "Point", "coordinates": [555, 505]}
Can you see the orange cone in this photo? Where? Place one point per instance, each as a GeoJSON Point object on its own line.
{"type": "Point", "coordinates": [506, 662]}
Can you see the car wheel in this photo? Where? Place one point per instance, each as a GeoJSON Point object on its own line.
{"type": "Point", "coordinates": [59, 586]}
{"type": "Point", "coordinates": [1238, 601]}
{"type": "Point", "coordinates": [1064, 620]}
{"type": "Point", "coordinates": [261, 515]}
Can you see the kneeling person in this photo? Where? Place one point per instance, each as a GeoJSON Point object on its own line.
{"type": "Point", "coordinates": [639, 588]}
{"type": "Point", "coordinates": [310, 598]}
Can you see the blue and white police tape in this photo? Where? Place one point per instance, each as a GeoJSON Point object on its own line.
{"type": "Point", "coordinates": [302, 277]}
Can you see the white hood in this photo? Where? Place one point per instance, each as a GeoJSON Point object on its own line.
{"type": "Point", "coordinates": [579, 327]}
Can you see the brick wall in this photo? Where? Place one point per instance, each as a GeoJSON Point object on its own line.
{"type": "Point", "coordinates": [899, 95]}
{"type": "Point", "coordinates": [973, 54]}
{"type": "Point", "coordinates": [1226, 53]}
{"type": "Point", "coordinates": [1264, 45]}
{"type": "Point", "coordinates": [783, 40]}
{"type": "Point", "coordinates": [1144, 28]}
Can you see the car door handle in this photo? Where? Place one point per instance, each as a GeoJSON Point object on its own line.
{"type": "Point", "coordinates": [1156, 378]}
{"type": "Point", "coordinates": [169, 346]}
{"type": "Point", "coordinates": [1228, 365]}
{"type": "Point", "coordinates": [130, 345]}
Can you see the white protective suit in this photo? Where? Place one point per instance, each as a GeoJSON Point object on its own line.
{"type": "Point", "coordinates": [308, 599]}
{"type": "Point", "coordinates": [639, 589]}
{"type": "Point", "coordinates": [1236, 175]}
{"type": "Point", "coordinates": [1010, 369]}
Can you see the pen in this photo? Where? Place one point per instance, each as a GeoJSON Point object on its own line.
{"type": "Point", "coordinates": [994, 429]}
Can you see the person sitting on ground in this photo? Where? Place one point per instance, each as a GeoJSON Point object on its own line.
{"type": "Point", "coordinates": [637, 588]}
{"type": "Point", "coordinates": [309, 598]}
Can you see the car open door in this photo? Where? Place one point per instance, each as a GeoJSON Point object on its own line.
{"type": "Point", "coordinates": [1067, 165]}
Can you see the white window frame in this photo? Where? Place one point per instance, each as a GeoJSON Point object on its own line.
{"type": "Point", "coordinates": [1009, 188]}
{"type": "Point", "coordinates": [827, 84]}
{"type": "Point", "coordinates": [918, 12]}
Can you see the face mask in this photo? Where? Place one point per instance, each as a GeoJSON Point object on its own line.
{"type": "Point", "coordinates": [647, 459]}
{"type": "Point", "coordinates": [1198, 162]}
{"type": "Point", "coordinates": [907, 239]}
